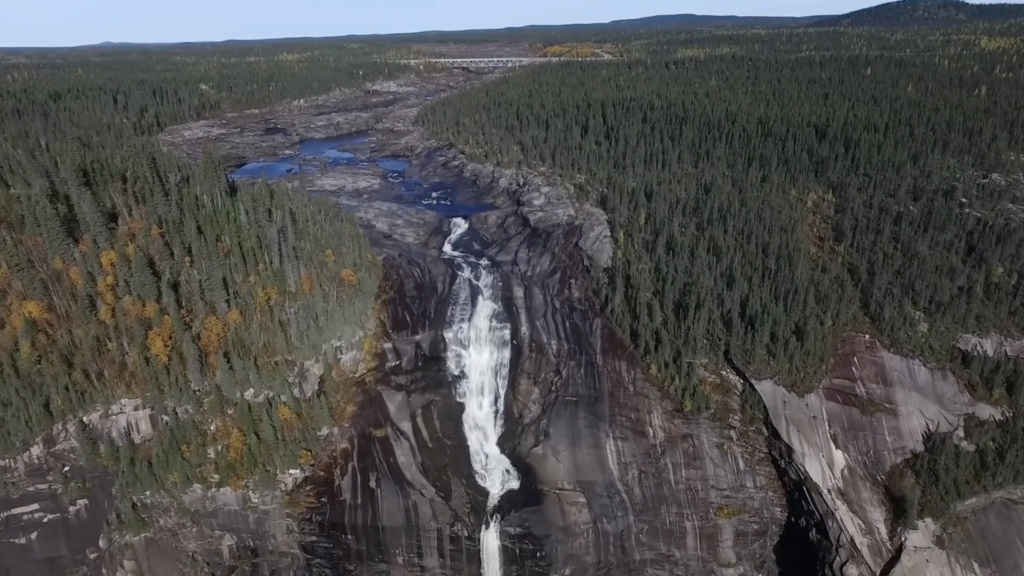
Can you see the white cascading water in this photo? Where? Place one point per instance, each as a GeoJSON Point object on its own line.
{"type": "Point", "coordinates": [479, 352]}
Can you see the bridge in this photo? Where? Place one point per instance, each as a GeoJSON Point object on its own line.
{"type": "Point", "coordinates": [507, 62]}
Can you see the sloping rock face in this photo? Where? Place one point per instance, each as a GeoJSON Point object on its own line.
{"type": "Point", "coordinates": [219, 531]}
{"type": "Point", "coordinates": [871, 412]}
{"type": "Point", "coordinates": [988, 532]}
{"type": "Point", "coordinates": [54, 512]}
{"type": "Point", "coordinates": [627, 484]}
{"type": "Point", "coordinates": [43, 529]}
{"type": "Point", "coordinates": [922, 556]}
{"type": "Point", "coordinates": [53, 509]}
{"type": "Point", "coordinates": [991, 345]}
{"type": "Point", "coordinates": [984, 538]}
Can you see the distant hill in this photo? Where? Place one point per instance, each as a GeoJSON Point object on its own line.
{"type": "Point", "coordinates": [540, 32]}
{"type": "Point", "coordinates": [518, 33]}
{"type": "Point", "coordinates": [702, 21]}
{"type": "Point", "coordinates": [901, 14]}
{"type": "Point", "coordinates": [914, 13]}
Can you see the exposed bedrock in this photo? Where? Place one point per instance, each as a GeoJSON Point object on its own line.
{"type": "Point", "coordinates": [627, 484]}
{"type": "Point", "coordinates": [871, 412]}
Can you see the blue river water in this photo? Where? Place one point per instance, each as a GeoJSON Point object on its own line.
{"type": "Point", "coordinates": [339, 152]}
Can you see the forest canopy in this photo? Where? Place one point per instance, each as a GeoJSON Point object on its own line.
{"type": "Point", "coordinates": [127, 272]}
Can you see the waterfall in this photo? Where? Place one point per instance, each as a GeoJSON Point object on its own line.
{"type": "Point", "coordinates": [479, 352]}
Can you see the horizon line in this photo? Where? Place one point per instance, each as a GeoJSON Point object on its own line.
{"type": "Point", "coordinates": [409, 33]}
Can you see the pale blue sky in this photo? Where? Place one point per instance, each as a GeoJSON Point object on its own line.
{"type": "Point", "coordinates": [77, 22]}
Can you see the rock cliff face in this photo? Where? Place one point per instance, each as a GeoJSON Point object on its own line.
{"type": "Point", "coordinates": [871, 412]}
{"type": "Point", "coordinates": [987, 534]}
{"type": "Point", "coordinates": [54, 512]}
{"type": "Point", "coordinates": [627, 482]}
{"type": "Point", "coordinates": [43, 529]}
{"type": "Point", "coordinates": [983, 540]}
{"type": "Point", "coordinates": [991, 345]}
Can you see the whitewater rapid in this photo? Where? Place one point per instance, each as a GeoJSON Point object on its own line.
{"type": "Point", "coordinates": [479, 352]}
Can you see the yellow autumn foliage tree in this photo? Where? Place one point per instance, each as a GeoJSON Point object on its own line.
{"type": "Point", "coordinates": [212, 338]}
{"type": "Point", "coordinates": [160, 341]}
{"type": "Point", "coordinates": [267, 297]}
{"type": "Point", "coordinates": [108, 259]}
{"type": "Point", "coordinates": [35, 310]}
{"type": "Point", "coordinates": [288, 418]}
{"type": "Point", "coordinates": [306, 281]}
{"type": "Point", "coordinates": [349, 278]}
{"type": "Point", "coordinates": [237, 445]}
{"type": "Point", "coordinates": [106, 288]}
{"type": "Point", "coordinates": [75, 275]}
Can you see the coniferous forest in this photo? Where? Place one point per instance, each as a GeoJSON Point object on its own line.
{"type": "Point", "coordinates": [770, 191]}
{"type": "Point", "coordinates": [125, 272]}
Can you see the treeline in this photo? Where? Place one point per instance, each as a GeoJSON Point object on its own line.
{"type": "Point", "coordinates": [770, 191]}
{"type": "Point", "coordinates": [920, 13]}
{"type": "Point", "coordinates": [126, 272]}
{"type": "Point", "coordinates": [985, 456]}
{"type": "Point", "coordinates": [951, 470]}
{"type": "Point", "coordinates": [98, 99]}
